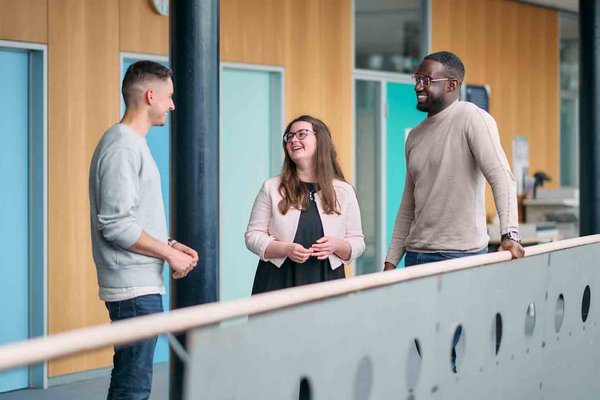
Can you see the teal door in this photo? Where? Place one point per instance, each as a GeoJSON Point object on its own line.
{"type": "Point", "coordinates": [14, 207]}
{"type": "Point", "coordinates": [158, 139]}
{"type": "Point", "coordinates": [402, 117]}
{"type": "Point", "coordinates": [251, 152]}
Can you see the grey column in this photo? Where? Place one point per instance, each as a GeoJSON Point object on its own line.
{"type": "Point", "coordinates": [194, 38]}
{"type": "Point", "coordinates": [589, 111]}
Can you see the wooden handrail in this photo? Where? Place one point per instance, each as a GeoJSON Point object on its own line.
{"type": "Point", "coordinates": [126, 331]}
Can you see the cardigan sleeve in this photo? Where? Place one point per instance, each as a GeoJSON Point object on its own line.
{"type": "Point", "coordinates": [353, 229]}
{"type": "Point", "coordinates": [257, 235]}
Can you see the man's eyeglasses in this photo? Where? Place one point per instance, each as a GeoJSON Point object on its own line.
{"type": "Point", "coordinates": [301, 134]}
{"type": "Point", "coordinates": [425, 80]}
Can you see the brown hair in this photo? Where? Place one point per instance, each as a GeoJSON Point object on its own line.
{"type": "Point", "coordinates": [327, 169]}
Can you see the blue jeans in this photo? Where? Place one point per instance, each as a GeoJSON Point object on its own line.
{"type": "Point", "coordinates": [414, 258]}
{"type": "Point", "coordinates": [131, 376]}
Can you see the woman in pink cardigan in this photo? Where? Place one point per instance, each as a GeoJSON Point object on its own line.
{"type": "Point", "coordinates": [305, 224]}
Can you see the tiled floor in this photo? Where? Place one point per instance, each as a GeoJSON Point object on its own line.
{"type": "Point", "coordinates": [91, 389]}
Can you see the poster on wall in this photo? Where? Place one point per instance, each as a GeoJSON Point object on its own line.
{"type": "Point", "coordinates": [520, 161]}
{"type": "Point", "coordinates": [478, 95]}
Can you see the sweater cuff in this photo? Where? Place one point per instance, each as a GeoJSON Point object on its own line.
{"type": "Point", "coordinates": [395, 258]}
{"type": "Point", "coordinates": [264, 246]}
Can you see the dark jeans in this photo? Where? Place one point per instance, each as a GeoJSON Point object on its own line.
{"type": "Point", "coordinates": [131, 376]}
{"type": "Point", "coordinates": [413, 258]}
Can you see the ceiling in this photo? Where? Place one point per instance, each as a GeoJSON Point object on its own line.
{"type": "Point", "coordinates": [565, 5]}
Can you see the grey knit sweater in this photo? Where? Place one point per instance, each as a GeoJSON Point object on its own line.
{"type": "Point", "coordinates": [125, 198]}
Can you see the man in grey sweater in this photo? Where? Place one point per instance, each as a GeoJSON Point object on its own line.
{"type": "Point", "coordinates": [449, 156]}
{"type": "Point", "coordinates": [129, 230]}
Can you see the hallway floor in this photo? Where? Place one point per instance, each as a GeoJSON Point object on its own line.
{"type": "Point", "coordinates": [91, 389]}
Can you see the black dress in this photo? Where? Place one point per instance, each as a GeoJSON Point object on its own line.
{"type": "Point", "coordinates": [310, 229]}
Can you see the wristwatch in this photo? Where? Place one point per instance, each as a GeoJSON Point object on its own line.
{"type": "Point", "coordinates": [512, 235]}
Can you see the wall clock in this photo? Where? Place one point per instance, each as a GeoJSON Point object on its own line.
{"type": "Point", "coordinates": [161, 6]}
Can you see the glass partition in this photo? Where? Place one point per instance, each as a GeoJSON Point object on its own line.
{"type": "Point", "coordinates": [389, 34]}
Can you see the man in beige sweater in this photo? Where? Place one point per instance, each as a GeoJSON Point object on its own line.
{"type": "Point", "coordinates": [449, 156]}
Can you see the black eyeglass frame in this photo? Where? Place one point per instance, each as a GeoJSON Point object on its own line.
{"type": "Point", "coordinates": [301, 135]}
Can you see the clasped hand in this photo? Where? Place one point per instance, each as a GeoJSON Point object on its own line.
{"type": "Point", "coordinates": [321, 249]}
{"type": "Point", "coordinates": [183, 260]}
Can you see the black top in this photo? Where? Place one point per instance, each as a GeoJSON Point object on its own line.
{"type": "Point", "coordinates": [310, 229]}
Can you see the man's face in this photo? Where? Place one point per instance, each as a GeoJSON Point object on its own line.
{"type": "Point", "coordinates": [162, 101]}
{"type": "Point", "coordinates": [432, 98]}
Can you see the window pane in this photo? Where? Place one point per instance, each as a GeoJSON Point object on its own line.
{"type": "Point", "coordinates": [388, 35]}
{"type": "Point", "coordinates": [569, 53]}
{"type": "Point", "coordinates": [569, 93]}
{"type": "Point", "coordinates": [368, 132]}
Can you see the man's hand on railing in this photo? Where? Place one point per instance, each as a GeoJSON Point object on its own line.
{"type": "Point", "coordinates": [515, 248]}
{"type": "Point", "coordinates": [389, 266]}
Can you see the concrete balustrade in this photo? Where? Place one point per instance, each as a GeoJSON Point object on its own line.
{"type": "Point", "coordinates": [528, 329]}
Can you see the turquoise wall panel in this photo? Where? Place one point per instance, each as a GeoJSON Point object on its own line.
{"type": "Point", "coordinates": [14, 210]}
{"type": "Point", "coordinates": [245, 162]}
{"type": "Point", "coordinates": [158, 139]}
{"type": "Point", "coordinates": [403, 116]}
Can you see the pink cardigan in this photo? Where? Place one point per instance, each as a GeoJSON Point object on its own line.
{"type": "Point", "coordinates": [268, 224]}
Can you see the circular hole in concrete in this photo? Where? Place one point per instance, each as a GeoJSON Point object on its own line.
{"type": "Point", "coordinates": [530, 319]}
{"type": "Point", "coordinates": [363, 380]}
{"type": "Point", "coordinates": [585, 303]}
{"type": "Point", "coordinates": [497, 332]}
{"type": "Point", "coordinates": [305, 390]}
{"type": "Point", "coordinates": [559, 312]}
{"type": "Point", "coordinates": [414, 360]}
{"type": "Point", "coordinates": [457, 351]}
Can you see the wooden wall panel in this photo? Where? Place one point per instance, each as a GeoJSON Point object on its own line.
{"type": "Point", "coordinates": [514, 48]}
{"type": "Point", "coordinates": [142, 30]}
{"type": "Point", "coordinates": [24, 20]}
{"type": "Point", "coordinates": [252, 31]}
{"type": "Point", "coordinates": [312, 40]}
{"type": "Point", "coordinates": [318, 63]}
{"type": "Point", "coordinates": [83, 103]}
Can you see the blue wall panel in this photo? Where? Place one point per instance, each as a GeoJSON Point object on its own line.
{"type": "Point", "coordinates": [14, 200]}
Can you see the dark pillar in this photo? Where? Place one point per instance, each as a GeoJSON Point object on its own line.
{"type": "Point", "coordinates": [589, 117]}
{"type": "Point", "coordinates": [194, 37]}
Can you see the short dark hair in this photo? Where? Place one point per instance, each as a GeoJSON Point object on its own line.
{"type": "Point", "coordinates": [451, 62]}
{"type": "Point", "coordinates": [142, 72]}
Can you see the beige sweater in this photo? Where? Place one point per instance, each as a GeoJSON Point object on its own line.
{"type": "Point", "coordinates": [449, 156]}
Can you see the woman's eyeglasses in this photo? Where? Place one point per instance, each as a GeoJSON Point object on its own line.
{"type": "Point", "coordinates": [300, 135]}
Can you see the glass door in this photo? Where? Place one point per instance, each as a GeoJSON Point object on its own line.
{"type": "Point", "coordinates": [385, 112]}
